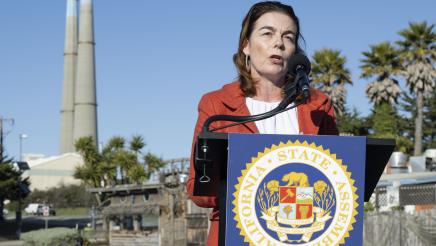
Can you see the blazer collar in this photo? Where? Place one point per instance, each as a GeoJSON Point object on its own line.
{"type": "Point", "coordinates": [232, 96]}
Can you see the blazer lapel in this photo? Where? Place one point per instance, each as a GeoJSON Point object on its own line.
{"type": "Point", "coordinates": [305, 122]}
{"type": "Point", "coordinates": [232, 96]}
{"type": "Point", "coordinates": [308, 118]}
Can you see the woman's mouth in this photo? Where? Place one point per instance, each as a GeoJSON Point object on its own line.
{"type": "Point", "coordinates": [276, 59]}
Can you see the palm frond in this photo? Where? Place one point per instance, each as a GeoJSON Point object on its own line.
{"type": "Point", "coordinates": [330, 76]}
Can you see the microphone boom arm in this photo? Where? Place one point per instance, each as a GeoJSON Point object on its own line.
{"type": "Point", "coordinates": [291, 95]}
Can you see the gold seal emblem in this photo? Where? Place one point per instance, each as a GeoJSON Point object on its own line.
{"type": "Point", "coordinates": [295, 194]}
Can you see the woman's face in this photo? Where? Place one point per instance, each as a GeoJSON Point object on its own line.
{"type": "Point", "coordinates": [270, 46]}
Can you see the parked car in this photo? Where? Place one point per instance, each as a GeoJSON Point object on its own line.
{"type": "Point", "coordinates": [32, 208]}
{"type": "Point", "coordinates": [41, 207]}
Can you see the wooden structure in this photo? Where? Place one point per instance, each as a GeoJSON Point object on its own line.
{"type": "Point", "coordinates": [156, 213]}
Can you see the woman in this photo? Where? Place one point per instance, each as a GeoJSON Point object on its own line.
{"type": "Point", "coordinates": [269, 37]}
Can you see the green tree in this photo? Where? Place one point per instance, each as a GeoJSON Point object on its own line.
{"type": "Point", "coordinates": [407, 124]}
{"type": "Point", "coordinates": [331, 76]}
{"type": "Point", "coordinates": [384, 121]}
{"type": "Point", "coordinates": [418, 50]}
{"type": "Point", "coordinates": [10, 180]}
{"type": "Point", "coordinates": [350, 122]}
{"type": "Point", "coordinates": [430, 121]}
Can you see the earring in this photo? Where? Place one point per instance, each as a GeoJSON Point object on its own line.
{"type": "Point", "coordinates": [247, 63]}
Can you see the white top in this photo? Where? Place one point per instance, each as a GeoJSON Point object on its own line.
{"type": "Point", "coordinates": [283, 123]}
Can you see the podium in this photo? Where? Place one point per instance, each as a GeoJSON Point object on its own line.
{"type": "Point", "coordinates": [289, 189]}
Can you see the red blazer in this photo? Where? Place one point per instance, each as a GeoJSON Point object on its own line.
{"type": "Point", "coordinates": [315, 117]}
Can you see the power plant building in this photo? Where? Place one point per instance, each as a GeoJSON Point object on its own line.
{"type": "Point", "coordinates": [51, 172]}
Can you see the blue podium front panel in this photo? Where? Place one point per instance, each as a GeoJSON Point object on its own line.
{"type": "Point", "coordinates": [295, 190]}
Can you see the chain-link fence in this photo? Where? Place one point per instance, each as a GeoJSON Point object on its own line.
{"type": "Point", "coordinates": [417, 194]}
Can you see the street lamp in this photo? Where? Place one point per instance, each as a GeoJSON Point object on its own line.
{"type": "Point", "coordinates": [22, 136]}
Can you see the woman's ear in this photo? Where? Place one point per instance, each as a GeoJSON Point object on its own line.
{"type": "Point", "coordinates": [246, 48]}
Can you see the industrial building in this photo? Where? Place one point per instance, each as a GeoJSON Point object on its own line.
{"type": "Point", "coordinates": [51, 172]}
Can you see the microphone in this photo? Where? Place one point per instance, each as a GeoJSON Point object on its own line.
{"type": "Point", "coordinates": [299, 68]}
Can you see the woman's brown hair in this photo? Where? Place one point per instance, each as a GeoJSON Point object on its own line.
{"type": "Point", "coordinates": [256, 11]}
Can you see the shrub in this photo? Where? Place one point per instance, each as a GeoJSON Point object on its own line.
{"type": "Point", "coordinates": [52, 236]}
{"type": "Point", "coordinates": [368, 207]}
{"type": "Point", "coordinates": [72, 196]}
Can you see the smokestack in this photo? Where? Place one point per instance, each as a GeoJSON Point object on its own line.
{"type": "Point", "coordinates": [70, 57]}
{"type": "Point", "coordinates": [85, 100]}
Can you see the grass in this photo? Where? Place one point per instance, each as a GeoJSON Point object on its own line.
{"type": "Point", "coordinates": [72, 212]}
{"type": "Point", "coordinates": [52, 236]}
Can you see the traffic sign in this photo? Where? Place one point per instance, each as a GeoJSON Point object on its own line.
{"type": "Point", "coordinates": [46, 211]}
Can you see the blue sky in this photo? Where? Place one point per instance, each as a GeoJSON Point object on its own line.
{"type": "Point", "coordinates": [155, 59]}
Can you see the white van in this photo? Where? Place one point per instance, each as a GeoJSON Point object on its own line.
{"type": "Point", "coordinates": [32, 208]}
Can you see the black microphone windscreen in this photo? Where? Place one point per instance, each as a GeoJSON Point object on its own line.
{"type": "Point", "coordinates": [299, 61]}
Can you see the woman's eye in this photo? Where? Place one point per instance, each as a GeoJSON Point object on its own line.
{"type": "Point", "coordinates": [267, 34]}
{"type": "Point", "coordinates": [289, 38]}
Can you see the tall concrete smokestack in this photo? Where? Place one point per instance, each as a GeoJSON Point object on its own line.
{"type": "Point", "coordinates": [70, 58]}
{"type": "Point", "coordinates": [85, 102]}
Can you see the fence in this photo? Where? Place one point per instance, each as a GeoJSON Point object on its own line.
{"type": "Point", "coordinates": [400, 228]}
{"type": "Point", "coordinates": [417, 194]}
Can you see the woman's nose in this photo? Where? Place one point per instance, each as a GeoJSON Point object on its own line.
{"type": "Point", "coordinates": [278, 42]}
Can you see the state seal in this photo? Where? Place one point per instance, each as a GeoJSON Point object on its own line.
{"type": "Point", "coordinates": [295, 194]}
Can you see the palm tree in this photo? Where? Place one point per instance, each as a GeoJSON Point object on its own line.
{"type": "Point", "coordinates": [137, 174]}
{"type": "Point", "coordinates": [153, 163]}
{"type": "Point", "coordinates": [330, 75]}
{"type": "Point", "coordinates": [115, 143]}
{"type": "Point", "coordinates": [381, 63]}
{"type": "Point", "coordinates": [99, 169]}
{"type": "Point", "coordinates": [418, 50]}
{"type": "Point", "coordinates": [91, 172]}
{"type": "Point", "coordinates": [117, 156]}
{"type": "Point", "coordinates": [136, 144]}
